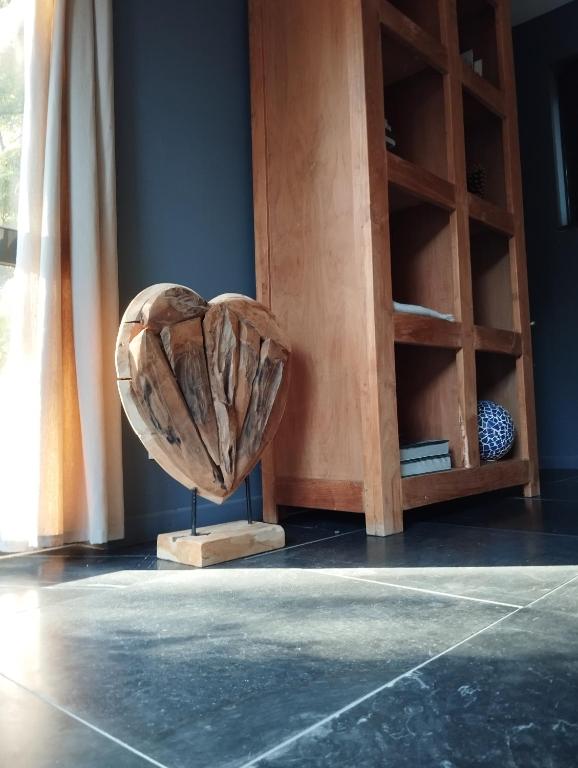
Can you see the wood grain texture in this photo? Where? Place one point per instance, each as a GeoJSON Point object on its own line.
{"type": "Point", "coordinates": [491, 215]}
{"type": "Point", "coordinates": [337, 495]}
{"type": "Point", "coordinates": [160, 402]}
{"type": "Point", "coordinates": [155, 445]}
{"type": "Point", "coordinates": [420, 182]}
{"type": "Point", "coordinates": [188, 384]}
{"type": "Point", "coordinates": [527, 436]}
{"type": "Point", "coordinates": [314, 281]}
{"type": "Point", "coordinates": [219, 543]}
{"type": "Point", "coordinates": [165, 304]}
{"type": "Point", "coordinates": [261, 213]}
{"type": "Point", "coordinates": [426, 331]}
{"type": "Point", "coordinates": [342, 225]}
{"type": "Point", "coordinates": [465, 362]}
{"type": "Point", "coordinates": [484, 92]}
{"type": "Point", "coordinates": [127, 332]}
{"type": "Point", "coordinates": [184, 347]}
{"type": "Point", "coordinates": [495, 340]}
{"type": "Point", "coordinates": [249, 352]}
{"type": "Point", "coordinates": [379, 427]}
{"type": "Point", "coordinates": [413, 35]}
{"type": "Point", "coordinates": [442, 486]}
{"type": "Point", "coordinates": [221, 333]}
{"type": "Point", "coordinates": [267, 381]}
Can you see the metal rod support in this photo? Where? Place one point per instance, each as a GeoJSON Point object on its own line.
{"type": "Point", "coordinates": [194, 513]}
{"type": "Point", "coordinates": [248, 500]}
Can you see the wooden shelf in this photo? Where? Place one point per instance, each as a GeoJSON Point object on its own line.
{"type": "Point", "coordinates": [420, 183]}
{"type": "Point", "coordinates": [491, 215]}
{"type": "Point", "coordinates": [343, 76]}
{"type": "Point", "coordinates": [425, 15]}
{"type": "Point", "coordinates": [495, 340]}
{"type": "Point", "coordinates": [483, 90]}
{"type": "Point", "coordinates": [426, 331]}
{"type": "Point", "coordinates": [484, 143]}
{"type": "Point", "coordinates": [477, 31]}
{"type": "Point", "coordinates": [413, 36]}
{"type": "Point", "coordinates": [497, 380]}
{"type": "Point", "coordinates": [427, 393]}
{"type": "Point", "coordinates": [443, 486]}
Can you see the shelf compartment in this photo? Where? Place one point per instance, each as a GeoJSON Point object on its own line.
{"type": "Point", "coordinates": [425, 16]}
{"type": "Point", "coordinates": [421, 253]}
{"type": "Point", "coordinates": [483, 91]}
{"type": "Point", "coordinates": [426, 331]}
{"type": "Point", "coordinates": [491, 278]}
{"type": "Point", "coordinates": [494, 340]}
{"type": "Point", "coordinates": [485, 148]}
{"type": "Point", "coordinates": [427, 394]}
{"type": "Point", "coordinates": [414, 106]}
{"type": "Point", "coordinates": [420, 183]}
{"type": "Point", "coordinates": [412, 35]}
{"type": "Point", "coordinates": [496, 379]}
{"type": "Point", "coordinates": [477, 31]}
{"type": "Point", "coordinates": [443, 486]}
{"type": "Point", "coordinates": [491, 215]}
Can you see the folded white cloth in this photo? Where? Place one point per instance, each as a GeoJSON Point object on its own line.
{"type": "Point", "coordinates": [415, 309]}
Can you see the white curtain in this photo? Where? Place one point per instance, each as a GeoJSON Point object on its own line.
{"type": "Point", "coordinates": [60, 440]}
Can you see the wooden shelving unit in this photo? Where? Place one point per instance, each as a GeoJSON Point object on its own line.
{"type": "Point", "coordinates": [344, 227]}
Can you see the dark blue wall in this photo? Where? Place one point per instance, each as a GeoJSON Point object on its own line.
{"type": "Point", "coordinates": [183, 152]}
{"type": "Point", "coordinates": [552, 252]}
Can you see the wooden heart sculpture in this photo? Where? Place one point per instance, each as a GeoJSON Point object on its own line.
{"type": "Point", "coordinates": [203, 384]}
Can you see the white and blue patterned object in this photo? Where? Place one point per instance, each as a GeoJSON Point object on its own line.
{"type": "Point", "coordinates": [496, 431]}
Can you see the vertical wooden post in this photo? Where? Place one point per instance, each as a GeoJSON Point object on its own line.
{"type": "Point", "coordinates": [518, 270]}
{"type": "Point", "coordinates": [382, 483]}
{"type": "Point", "coordinates": [466, 357]}
{"type": "Point", "coordinates": [261, 215]}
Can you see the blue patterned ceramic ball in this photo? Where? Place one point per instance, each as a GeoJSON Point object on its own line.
{"type": "Point", "coordinates": [496, 430]}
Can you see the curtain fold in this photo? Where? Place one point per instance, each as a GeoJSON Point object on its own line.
{"type": "Point", "coordinates": [61, 446]}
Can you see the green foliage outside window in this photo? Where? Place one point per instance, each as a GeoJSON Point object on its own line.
{"type": "Point", "coordinates": [11, 108]}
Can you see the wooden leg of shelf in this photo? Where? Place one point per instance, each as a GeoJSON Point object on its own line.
{"type": "Point", "coordinates": [270, 511]}
{"type": "Point", "coordinates": [383, 513]}
{"type": "Point", "coordinates": [532, 487]}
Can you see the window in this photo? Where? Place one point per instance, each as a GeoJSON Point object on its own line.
{"type": "Point", "coordinates": [11, 112]}
{"type": "Point", "coordinates": [566, 141]}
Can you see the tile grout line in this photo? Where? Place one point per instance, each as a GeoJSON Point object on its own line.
{"type": "Point", "coordinates": [501, 530]}
{"type": "Point", "coordinates": [84, 722]}
{"type": "Point", "coordinates": [551, 591]}
{"type": "Point", "coordinates": [549, 499]}
{"type": "Point", "coordinates": [391, 683]}
{"type": "Point", "coordinates": [419, 589]}
{"type": "Point", "coordinates": [296, 546]}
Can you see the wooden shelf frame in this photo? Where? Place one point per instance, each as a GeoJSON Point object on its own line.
{"type": "Point", "coordinates": [325, 268]}
{"type": "Point", "coordinates": [413, 36]}
{"type": "Point", "coordinates": [420, 182]}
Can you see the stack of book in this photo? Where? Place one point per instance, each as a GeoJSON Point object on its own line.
{"type": "Point", "coordinates": [422, 458]}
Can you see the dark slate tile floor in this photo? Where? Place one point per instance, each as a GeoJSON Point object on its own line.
{"type": "Point", "coordinates": [452, 645]}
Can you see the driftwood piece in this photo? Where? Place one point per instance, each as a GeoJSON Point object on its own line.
{"type": "Point", "coordinates": [153, 442]}
{"type": "Point", "coordinates": [249, 351]}
{"type": "Point", "coordinates": [265, 387]}
{"type": "Point", "coordinates": [161, 404]}
{"type": "Point", "coordinates": [128, 330]}
{"type": "Point", "coordinates": [166, 305]}
{"type": "Point", "coordinates": [256, 314]}
{"type": "Point", "coordinates": [221, 333]}
{"type": "Point", "coordinates": [185, 349]}
{"type": "Point", "coordinates": [204, 386]}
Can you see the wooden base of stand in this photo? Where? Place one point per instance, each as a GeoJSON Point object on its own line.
{"type": "Point", "coordinates": [219, 543]}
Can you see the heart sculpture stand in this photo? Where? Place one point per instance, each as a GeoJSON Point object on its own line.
{"type": "Point", "coordinates": [204, 386]}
